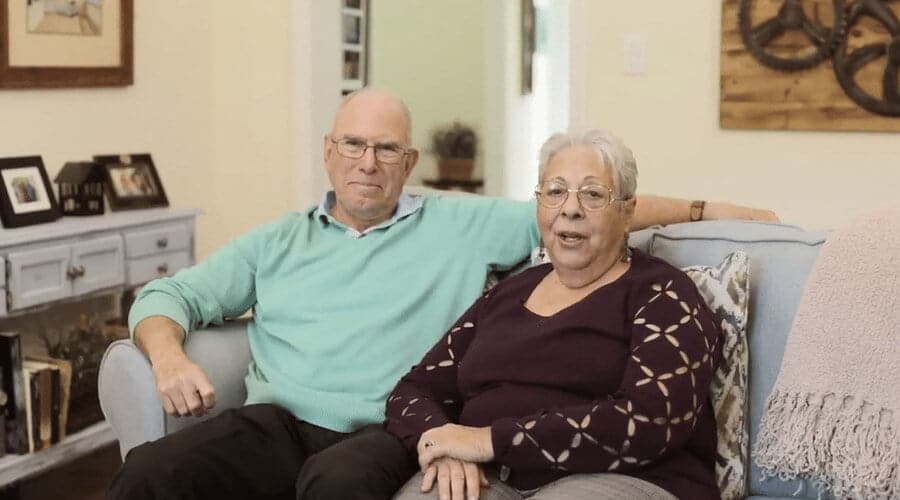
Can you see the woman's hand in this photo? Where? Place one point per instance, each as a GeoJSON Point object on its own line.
{"type": "Point", "coordinates": [469, 444]}
{"type": "Point", "coordinates": [457, 479]}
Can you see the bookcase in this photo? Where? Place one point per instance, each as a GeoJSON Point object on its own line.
{"type": "Point", "coordinates": [76, 258]}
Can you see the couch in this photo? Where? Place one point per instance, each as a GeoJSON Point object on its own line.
{"type": "Point", "coordinates": [781, 258]}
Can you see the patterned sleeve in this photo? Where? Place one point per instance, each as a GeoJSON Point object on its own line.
{"type": "Point", "coordinates": [673, 355]}
{"type": "Point", "coordinates": [427, 397]}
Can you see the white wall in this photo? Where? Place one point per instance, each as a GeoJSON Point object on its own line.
{"type": "Point", "coordinates": [432, 55]}
{"type": "Point", "coordinates": [670, 119]}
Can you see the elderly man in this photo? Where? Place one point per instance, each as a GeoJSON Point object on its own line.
{"type": "Point", "coordinates": [346, 297]}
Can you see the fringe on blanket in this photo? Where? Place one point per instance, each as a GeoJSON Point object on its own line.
{"type": "Point", "coordinates": [843, 444]}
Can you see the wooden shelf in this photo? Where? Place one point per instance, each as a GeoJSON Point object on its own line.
{"type": "Point", "coordinates": [14, 468]}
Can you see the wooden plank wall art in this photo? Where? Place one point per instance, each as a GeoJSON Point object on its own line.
{"type": "Point", "coordinates": [810, 65]}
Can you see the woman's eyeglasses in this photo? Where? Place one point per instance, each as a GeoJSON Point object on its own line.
{"type": "Point", "coordinates": [553, 194]}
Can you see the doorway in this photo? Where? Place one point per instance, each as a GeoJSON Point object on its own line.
{"type": "Point", "coordinates": [462, 61]}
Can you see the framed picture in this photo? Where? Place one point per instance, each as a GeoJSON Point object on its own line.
{"type": "Point", "coordinates": [132, 182]}
{"type": "Point", "coordinates": [27, 197]}
{"type": "Point", "coordinates": [529, 29]}
{"type": "Point", "coordinates": [354, 33]}
{"type": "Point", "coordinates": [66, 43]}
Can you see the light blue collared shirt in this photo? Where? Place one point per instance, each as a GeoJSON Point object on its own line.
{"type": "Point", "coordinates": [407, 204]}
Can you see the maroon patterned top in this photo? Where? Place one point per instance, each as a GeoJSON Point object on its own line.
{"type": "Point", "coordinates": [617, 382]}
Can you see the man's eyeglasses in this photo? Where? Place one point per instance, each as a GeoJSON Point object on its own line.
{"type": "Point", "coordinates": [388, 154]}
{"type": "Point", "coordinates": [553, 194]}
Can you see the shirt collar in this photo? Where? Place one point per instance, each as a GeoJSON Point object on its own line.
{"type": "Point", "coordinates": [407, 204]}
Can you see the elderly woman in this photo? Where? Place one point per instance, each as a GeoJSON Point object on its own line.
{"type": "Point", "coordinates": [583, 378]}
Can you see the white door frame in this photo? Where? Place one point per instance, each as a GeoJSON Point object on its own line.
{"type": "Point", "coordinates": [316, 83]}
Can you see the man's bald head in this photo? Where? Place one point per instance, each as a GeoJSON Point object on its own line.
{"type": "Point", "coordinates": [379, 101]}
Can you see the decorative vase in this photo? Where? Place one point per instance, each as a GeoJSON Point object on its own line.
{"type": "Point", "coordinates": [456, 169]}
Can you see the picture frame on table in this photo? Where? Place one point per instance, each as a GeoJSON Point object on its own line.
{"type": "Point", "coordinates": [132, 182]}
{"type": "Point", "coordinates": [73, 43]}
{"type": "Point", "coordinates": [26, 197]}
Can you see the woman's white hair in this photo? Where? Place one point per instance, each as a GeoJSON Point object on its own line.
{"type": "Point", "coordinates": [611, 150]}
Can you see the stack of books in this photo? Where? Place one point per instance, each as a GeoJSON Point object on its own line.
{"type": "Point", "coordinates": [34, 397]}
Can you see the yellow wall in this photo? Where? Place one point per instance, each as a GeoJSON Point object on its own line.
{"type": "Point", "coordinates": [211, 102]}
{"type": "Point", "coordinates": [432, 55]}
{"type": "Point", "coordinates": [670, 119]}
{"type": "Point", "coordinates": [255, 178]}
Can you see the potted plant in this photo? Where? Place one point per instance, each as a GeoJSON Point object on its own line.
{"type": "Point", "coordinates": [455, 146]}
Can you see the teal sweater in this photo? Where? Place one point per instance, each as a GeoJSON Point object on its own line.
{"type": "Point", "coordinates": [338, 320]}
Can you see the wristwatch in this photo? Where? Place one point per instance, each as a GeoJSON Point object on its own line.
{"type": "Point", "coordinates": [697, 207]}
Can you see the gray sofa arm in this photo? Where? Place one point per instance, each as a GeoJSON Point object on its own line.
{"type": "Point", "coordinates": [127, 390]}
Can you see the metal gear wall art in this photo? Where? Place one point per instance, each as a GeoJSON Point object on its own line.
{"type": "Point", "coordinates": [847, 63]}
{"type": "Point", "coordinates": [833, 42]}
{"type": "Point", "coordinates": [790, 17]}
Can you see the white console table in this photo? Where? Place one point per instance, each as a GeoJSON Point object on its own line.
{"type": "Point", "coordinates": [79, 257]}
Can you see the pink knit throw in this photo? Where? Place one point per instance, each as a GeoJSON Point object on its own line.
{"type": "Point", "coordinates": [834, 414]}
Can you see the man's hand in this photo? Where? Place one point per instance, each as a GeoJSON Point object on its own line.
{"type": "Point", "coordinates": [183, 387]}
{"type": "Point", "coordinates": [469, 444]}
{"type": "Point", "coordinates": [722, 210]}
{"type": "Point", "coordinates": [457, 479]}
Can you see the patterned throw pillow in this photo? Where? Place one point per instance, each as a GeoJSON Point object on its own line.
{"type": "Point", "coordinates": [726, 289]}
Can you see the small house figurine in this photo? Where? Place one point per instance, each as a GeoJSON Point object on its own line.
{"type": "Point", "coordinates": [81, 188]}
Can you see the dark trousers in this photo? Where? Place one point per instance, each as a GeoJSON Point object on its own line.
{"type": "Point", "coordinates": [264, 452]}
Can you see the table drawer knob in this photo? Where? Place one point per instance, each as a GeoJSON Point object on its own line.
{"type": "Point", "coordinates": [75, 272]}
{"type": "Point", "coordinates": [162, 269]}
{"type": "Point", "coordinates": [162, 243]}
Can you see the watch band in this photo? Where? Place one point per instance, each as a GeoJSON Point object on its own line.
{"type": "Point", "coordinates": [697, 207]}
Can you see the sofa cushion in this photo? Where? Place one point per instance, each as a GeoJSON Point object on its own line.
{"type": "Point", "coordinates": [726, 290]}
{"type": "Point", "coordinates": [781, 258]}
